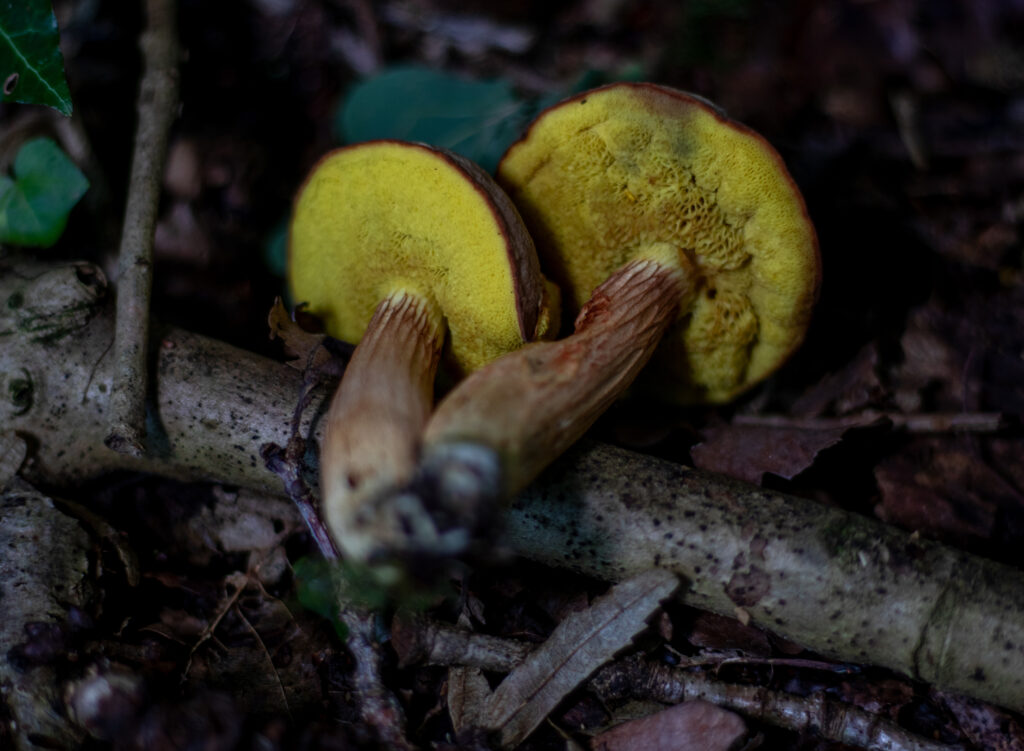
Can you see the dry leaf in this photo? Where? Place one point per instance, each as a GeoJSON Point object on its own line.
{"type": "Point", "coordinates": [986, 726]}
{"type": "Point", "coordinates": [696, 725]}
{"type": "Point", "coordinates": [716, 632]}
{"type": "Point", "coordinates": [748, 451]}
{"type": "Point", "coordinates": [947, 493]}
{"type": "Point", "coordinates": [468, 691]}
{"type": "Point", "coordinates": [576, 648]}
{"type": "Point", "coordinates": [304, 350]}
{"type": "Point", "coordinates": [852, 388]}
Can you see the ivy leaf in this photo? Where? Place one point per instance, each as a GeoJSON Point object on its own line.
{"type": "Point", "coordinates": [477, 119]}
{"type": "Point", "coordinates": [316, 591]}
{"type": "Point", "coordinates": [31, 64]}
{"type": "Point", "coordinates": [34, 206]}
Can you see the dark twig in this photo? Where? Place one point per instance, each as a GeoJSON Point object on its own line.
{"type": "Point", "coordinates": [157, 107]}
{"type": "Point", "coordinates": [286, 463]}
{"type": "Point", "coordinates": [936, 422]}
{"type": "Point", "coordinates": [635, 678]}
{"type": "Point", "coordinates": [378, 706]}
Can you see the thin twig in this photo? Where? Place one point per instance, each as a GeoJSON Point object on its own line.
{"type": "Point", "coordinates": [157, 107]}
{"type": "Point", "coordinates": [286, 463]}
{"type": "Point", "coordinates": [379, 708]}
{"type": "Point", "coordinates": [934, 422]}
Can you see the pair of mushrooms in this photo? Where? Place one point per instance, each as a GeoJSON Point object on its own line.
{"type": "Point", "coordinates": [672, 232]}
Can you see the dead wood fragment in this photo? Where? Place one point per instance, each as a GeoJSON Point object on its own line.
{"type": "Point", "coordinates": [13, 451]}
{"type": "Point", "coordinates": [157, 108]}
{"type": "Point", "coordinates": [418, 640]}
{"type": "Point", "coordinates": [846, 586]}
{"type": "Point", "coordinates": [43, 566]}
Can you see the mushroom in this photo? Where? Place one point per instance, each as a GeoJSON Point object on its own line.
{"type": "Point", "coordinates": [676, 233]}
{"type": "Point", "coordinates": [392, 245]}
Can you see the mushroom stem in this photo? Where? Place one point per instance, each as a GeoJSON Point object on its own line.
{"type": "Point", "coordinates": [529, 406]}
{"type": "Point", "coordinates": [378, 412]}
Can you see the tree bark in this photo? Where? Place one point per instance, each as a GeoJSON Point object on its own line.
{"type": "Point", "coordinates": [841, 584]}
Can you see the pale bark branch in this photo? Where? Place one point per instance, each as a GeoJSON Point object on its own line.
{"type": "Point", "coordinates": [157, 108]}
{"type": "Point", "coordinates": [844, 585]}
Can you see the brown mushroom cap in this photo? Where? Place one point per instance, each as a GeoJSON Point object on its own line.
{"type": "Point", "coordinates": [385, 216]}
{"type": "Point", "coordinates": [606, 175]}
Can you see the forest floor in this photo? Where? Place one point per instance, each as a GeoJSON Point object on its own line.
{"type": "Point", "coordinates": [902, 123]}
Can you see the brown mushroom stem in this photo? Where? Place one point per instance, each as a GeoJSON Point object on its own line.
{"type": "Point", "coordinates": [379, 410]}
{"type": "Point", "coordinates": [530, 405]}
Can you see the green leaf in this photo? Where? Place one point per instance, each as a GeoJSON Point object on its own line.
{"type": "Point", "coordinates": [315, 588]}
{"type": "Point", "coordinates": [275, 249]}
{"type": "Point", "coordinates": [477, 119]}
{"type": "Point", "coordinates": [34, 206]}
{"type": "Point", "coordinates": [31, 65]}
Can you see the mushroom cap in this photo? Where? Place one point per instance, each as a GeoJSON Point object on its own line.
{"type": "Point", "coordinates": [605, 176]}
{"type": "Point", "coordinates": [381, 217]}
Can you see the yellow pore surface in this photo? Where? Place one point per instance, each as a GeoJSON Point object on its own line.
{"type": "Point", "coordinates": [606, 175]}
{"type": "Point", "coordinates": [382, 217]}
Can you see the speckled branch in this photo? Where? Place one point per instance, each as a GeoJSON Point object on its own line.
{"type": "Point", "coordinates": [157, 108]}
{"type": "Point", "coordinates": [836, 582]}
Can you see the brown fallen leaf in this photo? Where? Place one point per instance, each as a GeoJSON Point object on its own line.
{"type": "Point", "coordinates": [986, 726]}
{"type": "Point", "coordinates": [468, 691]}
{"type": "Point", "coordinates": [576, 648]}
{"type": "Point", "coordinates": [854, 387]}
{"type": "Point", "coordinates": [696, 725]}
{"type": "Point", "coordinates": [304, 350]}
{"type": "Point", "coordinates": [948, 493]}
{"type": "Point", "coordinates": [716, 632]}
{"type": "Point", "coordinates": [747, 452]}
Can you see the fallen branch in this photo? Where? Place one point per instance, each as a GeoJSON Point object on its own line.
{"type": "Point", "coordinates": [841, 584]}
{"type": "Point", "coordinates": [157, 107]}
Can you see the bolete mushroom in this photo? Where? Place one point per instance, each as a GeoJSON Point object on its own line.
{"type": "Point", "coordinates": [392, 245]}
{"type": "Point", "coordinates": [654, 213]}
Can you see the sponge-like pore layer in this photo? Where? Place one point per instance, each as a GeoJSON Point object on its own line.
{"type": "Point", "coordinates": [386, 216]}
{"type": "Point", "coordinates": [604, 175]}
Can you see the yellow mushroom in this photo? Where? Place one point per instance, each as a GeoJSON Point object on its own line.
{"type": "Point", "coordinates": [392, 245]}
{"type": "Point", "coordinates": [667, 226]}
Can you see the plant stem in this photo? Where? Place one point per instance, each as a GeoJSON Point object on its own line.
{"type": "Point", "coordinates": [157, 108]}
